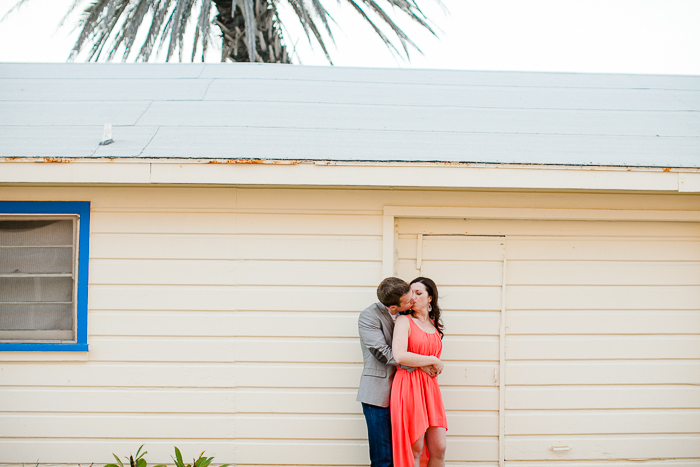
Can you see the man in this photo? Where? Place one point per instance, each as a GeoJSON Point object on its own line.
{"type": "Point", "coordinates": [376, 326]}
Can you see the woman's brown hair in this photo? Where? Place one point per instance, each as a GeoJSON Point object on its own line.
{"type": "Point", "coordinates": [434, 313]}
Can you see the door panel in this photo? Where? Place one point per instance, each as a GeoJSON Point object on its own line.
{"type": "Point", "coordinates": [469, 274]}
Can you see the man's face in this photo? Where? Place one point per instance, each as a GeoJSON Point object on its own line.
{"type": "Point", "coordinates": [406, 302]}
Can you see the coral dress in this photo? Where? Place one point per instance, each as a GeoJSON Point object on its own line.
{"type": "Point", "coordinates": [416, 401]}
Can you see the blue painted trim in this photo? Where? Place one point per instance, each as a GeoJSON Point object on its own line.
{"type": "Point", "coordinates": [44, 347]}
{"type": "Point", "coordinates": [82, 209]}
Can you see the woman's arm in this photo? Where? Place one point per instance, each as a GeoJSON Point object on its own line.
{"type": "Point", "coordinates": [399, 346]}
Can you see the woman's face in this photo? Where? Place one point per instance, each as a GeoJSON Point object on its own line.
{"type": "Point", "coordinates": [420, 296]}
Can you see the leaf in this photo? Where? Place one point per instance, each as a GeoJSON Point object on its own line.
{"type": "Point", "coordinates": [118, 461]}
{"type": "Point", "coordinates": [142, 463]}
{"type": "Point", "coordinates": [179, 457]}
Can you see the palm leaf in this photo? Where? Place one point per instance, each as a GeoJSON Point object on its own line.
{"type": "Point", "coordinates": [202, 29]}
{"type": "Point", "coordinates": [160, 9]}
{"type": "Point", "coordinates": [113, 25]}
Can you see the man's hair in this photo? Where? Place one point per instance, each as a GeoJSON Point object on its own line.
{"type": "Point", "coordinates": [391, 290]}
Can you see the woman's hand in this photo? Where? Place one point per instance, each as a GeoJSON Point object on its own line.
{"type": "Point", "coordinates": [439, 366]}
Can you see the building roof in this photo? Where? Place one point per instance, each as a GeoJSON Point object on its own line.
{"type": "Point", "coordinates": [284, 112]}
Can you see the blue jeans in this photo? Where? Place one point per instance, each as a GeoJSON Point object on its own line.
{"type": "Point", "coordinates": [379, 433]}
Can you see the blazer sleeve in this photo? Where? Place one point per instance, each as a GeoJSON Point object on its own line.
{"type": "Point", "coordinates": [373, 338]}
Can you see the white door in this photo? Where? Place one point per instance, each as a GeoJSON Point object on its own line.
{"type": "Point", "coordinates": [469, 274]}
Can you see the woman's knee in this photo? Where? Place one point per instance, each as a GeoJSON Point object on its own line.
{"type": "Point", "coordinates": [437, 442]}
{"type": "Point", "coordinates": [417, 448]}
{"type": "Point", "coordinates": [437, 450]}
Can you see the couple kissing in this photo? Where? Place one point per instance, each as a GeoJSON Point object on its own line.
{"type": "Point", "coordinates": [401, 339]}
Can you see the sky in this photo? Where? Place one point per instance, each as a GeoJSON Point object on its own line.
{"type": "Point", "coordinates": [590, 36]}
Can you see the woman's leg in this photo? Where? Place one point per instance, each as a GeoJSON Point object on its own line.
{"type": "Point", "coordinates": [436, 439]}
{"type": "Point", "coordinates": [417, 449]}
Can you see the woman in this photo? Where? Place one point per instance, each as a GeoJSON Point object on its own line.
{"type": "Point", "coordinates": [417, 412]}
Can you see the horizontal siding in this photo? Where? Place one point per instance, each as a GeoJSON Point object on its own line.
{"type": "Point", "coordinates": [577, 422]}
{"type": "Point", "coordinates": [604, 273]}
{"type": "Point", "coordinates": [250, 323]}
{"type": "Point", "coordinates": [260, 247]}
{"type": "Point", "coordinates": [586, 312]}
{"type": "Point", "coordinates": [596, 447]}
{"type": "Point", "coordinates": [554, 230]}
{"type": "Point", "coordinates": [227, 272]}
{"type": "Point", "coordinates": [225, 321]}
{"type": "Point", "coordinates": [99, 450]}
{"type": "Point", "coordinates": [238, 223]}
{"type": "Point", "coordinates": [439, 249]}
{"type": "Point", "coordinates": [152, 400]}
{"type": "Point", "coordinates": [227, 298]}
{"type": "Point", "coordinates": [213, 400]}
{"type": "Point", "coordinates": [628, 249]}
{"type": "Point", "coordinates": [603, 322]}
{"type": "Point", "coordinates": [453, 273]}
{"type": "Point", "coordinates": [587, 297]}
{"type": "Point", "coordinates": [125, 375]}
{"type": "Point", "coordinates": [602, 347]}
{"type": "Point", "coordinates": [621, 372]}
{"type": "Point", "coordinates": [604, 397]}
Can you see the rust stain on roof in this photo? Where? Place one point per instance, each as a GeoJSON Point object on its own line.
{"type": "Point", "coordinates": [254, 161]}
{"type": "Point", "coordinates": [57, 159]}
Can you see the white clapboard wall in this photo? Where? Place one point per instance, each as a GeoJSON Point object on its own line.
{"type": "Point", "coordinates": [225, 320]}
{"type": "Point", "coordinates": [602, 334]}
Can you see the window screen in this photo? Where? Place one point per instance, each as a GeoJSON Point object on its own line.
{"type": "Point", "coordinates": [38, 278]}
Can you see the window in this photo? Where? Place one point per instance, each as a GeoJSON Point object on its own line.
{"type": "Point", "coordinates": [44, 275]}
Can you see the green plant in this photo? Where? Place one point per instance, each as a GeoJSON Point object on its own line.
{"type": "Point", "coordinates": [137, 461]}
{"type": "Point", "coordinates": [199, 462]}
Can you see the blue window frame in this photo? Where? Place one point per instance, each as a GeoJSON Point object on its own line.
{"type": "Point", "coordinates": [44, 280]}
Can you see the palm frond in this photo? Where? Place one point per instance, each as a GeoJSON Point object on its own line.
{"type": "Point", "coordinates": [70, 10]}
{"type": "Point", "coordinates": [175, 24]}
{"type": "Point", "coordinates": [184, 21]}
{"type": "Point", "coordinates": [403, 38]}
{"type": "Point", "coordinates": [252, 26]}
{"type": "Point", "coordinates": [203, 23]}
{"type": "Point", "coordinates": [309, 25]}
{"type": "Point", "coordinates": [413, 11]}
{"type": "Point", "coordinates": [248, 9]}
{"type": "Point", "coordinates": [160, 9]}
{"type": "Point", "coordinates": [89, 20]}
{"type": "Point", "coordinates": [114, 12]}
{"type": "Point", "coordinates": [324, 16]}
{"type": "Point", "coordinates": [133, 23]}
{"type": "Point", "coordinates": [14, 8]}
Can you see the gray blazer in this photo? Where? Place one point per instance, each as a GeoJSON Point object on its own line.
{"type": "Point", "coordinates": [376, 332]}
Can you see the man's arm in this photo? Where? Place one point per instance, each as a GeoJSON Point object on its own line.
{"type": "Point", "coordinates": [373, 338]}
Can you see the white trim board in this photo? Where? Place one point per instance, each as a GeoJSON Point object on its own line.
{"type": "Point", "coordinates": [390, 229]}
{"type": "Point", "coordinates": [320, 173]}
